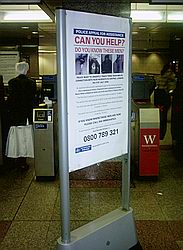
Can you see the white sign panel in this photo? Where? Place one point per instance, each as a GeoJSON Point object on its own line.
{"type": "Point", "coordinates": [97, 87]}
{"type": "Point", "coordinates": [7, 64]}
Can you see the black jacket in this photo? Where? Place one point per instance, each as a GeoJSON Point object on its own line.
{"type": "Point", "coordinates": [21, 100]}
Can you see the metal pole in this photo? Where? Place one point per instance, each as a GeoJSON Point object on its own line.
{"type": "Point", "coordinates": [126, 158]}
{"type": "Point", "coordinates": [62, 124]}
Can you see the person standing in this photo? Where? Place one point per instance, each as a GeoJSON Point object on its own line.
{"type": "Point", "coordinates": [21, 101]}
{"type": "Point", "coordinates": [162, 96]}
{"type": "Point", "coordinates": [177, 116]}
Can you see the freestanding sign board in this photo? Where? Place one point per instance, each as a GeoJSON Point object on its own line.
{"type": "Point", "coordinates": [93, 64]}
{"type": "Point", "coordinates": [97, 87]}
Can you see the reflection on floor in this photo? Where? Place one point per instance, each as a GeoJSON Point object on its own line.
{"type": "Point", "coordinates": [30, 215]}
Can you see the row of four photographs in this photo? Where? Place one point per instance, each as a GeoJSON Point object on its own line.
{"type": "Point", "coordinates": [98, 63]}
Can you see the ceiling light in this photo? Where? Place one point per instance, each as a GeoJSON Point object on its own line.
{"type": "Point", "coordinates": [34, 32]}
{"type": "Point", "coordinates": [178, 38]}
{"type": "Point", "coordinates": [175, 16]}
{"type": "Point", "coordinates": [25, 27]}
{"type": "Point", "coordinates": [29, 46]}
{"type": "Point", "coordinates": [147, 16]}
{"type": "Point", "coordinates": [47, 51]}
{"type": "Point", "coordinates": [20, 1]}
{"type": "Point", "coordinates": [24, 16]}
{"type": "Point", "coordinates": [142, 27]}
{"type": "Point", "coordinates": [142, 12]}
{"type": "Point", "coordinates": [165, 2]}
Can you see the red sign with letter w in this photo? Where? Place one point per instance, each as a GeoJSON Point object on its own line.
{"type": "Point", "coordinates": [149, 152]}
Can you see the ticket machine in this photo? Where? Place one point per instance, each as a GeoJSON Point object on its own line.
{"type": "Point", "coordinates": [45, 143]}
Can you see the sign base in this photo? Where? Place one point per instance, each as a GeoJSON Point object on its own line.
{"type": "Point", "coordinates": [115, 230]}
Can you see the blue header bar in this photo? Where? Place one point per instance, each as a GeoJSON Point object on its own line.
{"type": "Point", "coordinates": [98, 33]}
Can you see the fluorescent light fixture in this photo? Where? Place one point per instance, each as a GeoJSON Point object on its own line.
{"type": "Point", "coordinates": [165, 1]}
{"type": "Point", "coordinates": [25, 27]}
{"type": "Point", "coordinates": [147, 16]}
{"type": "Point", "coordinates": [47, 51]}
{"type": "Point", "coordinates": [134, 32]}
{"type": "Point", "coordinates": [24, 16]}
{"type": "Point", "coordinates": [142, 27]}
{"type": "Point", "coordinates": [142, 12]}
{"type": "Point", "coordinates": [19, 1]}
{"type": "Point", "coordinates": [175, 16]}
{"type": "Point", "coordinates": [29, 46]}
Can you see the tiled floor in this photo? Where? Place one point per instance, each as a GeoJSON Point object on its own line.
{"type": "Point", "coordinates": [30, 214]}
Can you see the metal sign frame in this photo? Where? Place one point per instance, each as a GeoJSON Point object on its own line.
{"type": "Point", "coordinates": [104, 226]}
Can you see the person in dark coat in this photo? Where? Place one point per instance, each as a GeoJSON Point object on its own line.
{"type": "Point", "coordinates": [21, 100]}
{"type": "Point", "coordinates": [177, 117]}
{"type": "Point", "coordinates": [162, 96]}
{"type": "Point", "coordinates": [21, 96]}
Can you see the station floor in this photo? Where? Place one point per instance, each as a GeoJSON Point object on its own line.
{"type": "Point", "coordinates": [30, 215]}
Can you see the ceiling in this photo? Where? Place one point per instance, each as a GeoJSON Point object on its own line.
{"type": "Point", "coordinates": [155, 36]}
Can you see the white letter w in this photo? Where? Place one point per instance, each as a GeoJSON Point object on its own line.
{"type": "Point", "coordinates": [149, 139]}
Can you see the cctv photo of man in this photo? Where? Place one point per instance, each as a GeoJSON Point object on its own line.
{"type": "Point", "coordinates": [81, 64]}
{"type": "Point", "coordinates": [118, 64]}
{"type": "Point", "coordinates": [106, 64]}
{"type": "Point", "coordinates": [94, 65]}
